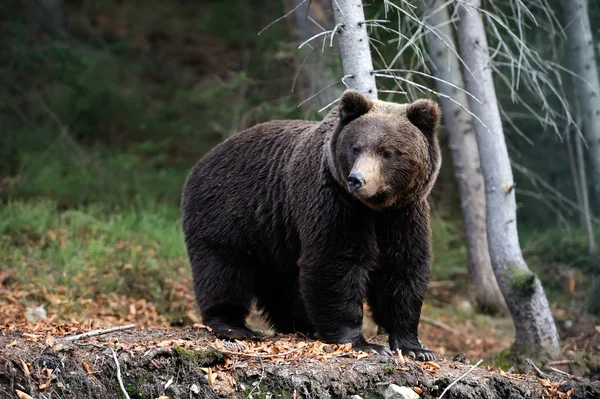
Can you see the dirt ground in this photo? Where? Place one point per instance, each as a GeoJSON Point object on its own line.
{"type": "Point", "coordinates": [190, 362]}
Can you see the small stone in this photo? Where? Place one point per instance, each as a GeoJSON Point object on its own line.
{"type": "Point", "coordinates": [356, 397]}
{"type": "Point", "coordinates": [396, 392]}
{"type": "Point", "coordinates": [195, 390]}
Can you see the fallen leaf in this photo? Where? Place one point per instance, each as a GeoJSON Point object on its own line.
{"type": "Point", "coordinates": [50, 340]}
{"type": "Point", "coordinates": [210, 375]}
{"type": "Point", "coordinates": [87, 367]}
{"type": "Point", "coordinates": [433, 364]}
{"type": "Point", "coordinates": [31, 337]}
{"type": "Point", "coordinates": [13, 343]}
{"type": "Point", "coordinates": [22, 395]}
{"type": "Point", "coordinates": [545, 383]}
{"type": "Point", "coordinates": [25, 368]}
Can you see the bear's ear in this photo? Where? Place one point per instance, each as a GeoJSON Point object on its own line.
{"type": "Point", "coordinates": [424, 114]}
{"type": "Point", "coordinates": [353, 105]}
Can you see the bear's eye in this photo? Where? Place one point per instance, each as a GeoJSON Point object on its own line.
{"type": "Point", "coordinates": [355, 150]}
{"type": "Point", "coordinates": [387, 154]}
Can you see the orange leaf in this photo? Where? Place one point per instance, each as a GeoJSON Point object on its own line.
{"type": "Point", "coordinates": [87, 367]}
{"type": "Point", "coordinates": [545, 383]}
{"type": "Point", "coordinates": [25, 368]}
{"type": "Point", "coordinates": [22, 395]}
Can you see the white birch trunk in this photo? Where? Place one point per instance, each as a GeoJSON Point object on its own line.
{"type": "Point", "coordinates": [465, 154]}
{"type": "Point", "coordinates": [535, 329]}
{"type": "Point", "coordinates": [354, 46]}
{"type": "Point", "coordinates": [583, 63]}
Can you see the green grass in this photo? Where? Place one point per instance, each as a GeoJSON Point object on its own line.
{"type": "Point", "coordinates": [134, 253]}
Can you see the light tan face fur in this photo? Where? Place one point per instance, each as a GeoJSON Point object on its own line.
{"type": "Point", "coordinates": [369, 167]}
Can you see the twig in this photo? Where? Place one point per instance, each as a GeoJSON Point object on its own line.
{"type": "Point", "coordinates": [314, 37]}
{"type": "Point", "coordinates": [282, 17]}
{"type": "Point", "coordinates": [535, 368]}
{"type": "Point", "coordinates": [101, 331]}
{"type": "Point", "coordinates": [460, 378]}
{"type": "Point", "coordinates": [559, 371]}
{"type": "Point", "coordinates": [262, 375]}
{"type": "Point", "coordinates": [439, 324]}
{"type": "Point", "coordinates": [152, 353]}
{"type": "Point", "coordinates": [119, 373]}
{"type": "Point", "coordinates": [259, 356]}
{"type": "Point", "coordinates": [559, 362]}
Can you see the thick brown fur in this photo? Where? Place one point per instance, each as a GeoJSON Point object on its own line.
{"type": "Point", "coordinates": [272, 214]}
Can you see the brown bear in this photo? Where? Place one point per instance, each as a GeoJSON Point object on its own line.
{"type": "Point", "coordinates": [311, 218]}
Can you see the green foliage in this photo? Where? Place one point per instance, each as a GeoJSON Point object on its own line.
{"type": "Point", "coordinates": [450, 254]}
{"type": "Point", "coordinates": [133, 252]}
{"type": "Point", "coordinates": [557, 255]}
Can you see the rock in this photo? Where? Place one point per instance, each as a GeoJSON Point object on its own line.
{"type": "Point", "coordinates": [396, 392]}
{"type": "Point", "coordinates": [356, 397]}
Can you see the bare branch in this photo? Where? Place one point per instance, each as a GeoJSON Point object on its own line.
{"type": "Point", "coordinates": [95, 333]}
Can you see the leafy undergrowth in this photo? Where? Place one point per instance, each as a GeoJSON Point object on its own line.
{"type": "Point", "coordinates": [87, 265]}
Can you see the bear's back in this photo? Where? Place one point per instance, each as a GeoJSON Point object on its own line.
{"type": "Point", "coordinates": [234, 197]}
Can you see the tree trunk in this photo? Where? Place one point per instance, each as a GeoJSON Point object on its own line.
{"type": "Point", "coordinates": [582, 186]}
{"type": "Point", "coordinates": [351, 31]}
{"type": "Point", "coordinates": [523, 292]}
{"type": "Point", "coordinates": [316, 68]}
{"type": "Point", "coordinates": [465, 155]}
{"type": "Point", "coordinates": [573, 162]}
{"type": "Point", "coordinates": [51, 14]}
{"type": "Point", "coordinates": [583, 63]}
{"type": "Point", "coordinates": [586, 216]}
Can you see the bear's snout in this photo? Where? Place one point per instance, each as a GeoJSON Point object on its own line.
{"type": "Point", "coordinates": [355, 181]}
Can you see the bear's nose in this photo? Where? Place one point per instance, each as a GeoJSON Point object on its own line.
{"type": "Point", "coordinates": [355, 181]}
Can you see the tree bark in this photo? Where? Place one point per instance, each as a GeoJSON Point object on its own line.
{"type": "Point", "coordinates": [351, 31]}
{"type": "Point", "coordinates": [51, 14]}
{"type": "Point", "coordinates": [316, 68]}
{"type": "Point", "coordinates": [586, 216]}
{"type": "Point", "coordinates": [582, 186]}
{"type": "Point", "coordinates": [465, 155]}
{"type": "Point", "coordinates": [523, 292]}
{"type": "Point", "coordinates": [583, 63]}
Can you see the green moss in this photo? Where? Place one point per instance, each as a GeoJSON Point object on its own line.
{"type": "Point", "coordinates": [204, 357]}
{"type": "Point", "coordinates": [522, 280]}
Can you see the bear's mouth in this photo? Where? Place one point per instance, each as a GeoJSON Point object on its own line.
{"type": "Point", "coordinates": [378, 200]}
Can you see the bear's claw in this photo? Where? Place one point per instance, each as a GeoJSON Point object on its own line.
{"type": "Point", "coordinates": [373, 349]}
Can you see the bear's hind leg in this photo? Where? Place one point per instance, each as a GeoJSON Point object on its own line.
{"type": "Point", "coordinates": [280, 298]}
{"type": "Point", "coordinates": [224, 291]}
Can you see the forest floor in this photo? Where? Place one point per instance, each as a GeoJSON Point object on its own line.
{"type": "Point", "coordinates": [189, 362]}
{"type": "Point", "coordinates": [158, 360]}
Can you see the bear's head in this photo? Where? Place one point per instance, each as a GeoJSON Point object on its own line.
{"type": "Point", "coordinates": [384, 153]}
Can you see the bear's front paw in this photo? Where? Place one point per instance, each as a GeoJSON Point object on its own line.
{"type": "Point", "coordinates": [413, 348]}
{"type": "Point", "coordinates": [233, 333]}
{"type": "Point", "coordinates": [373, 349]}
